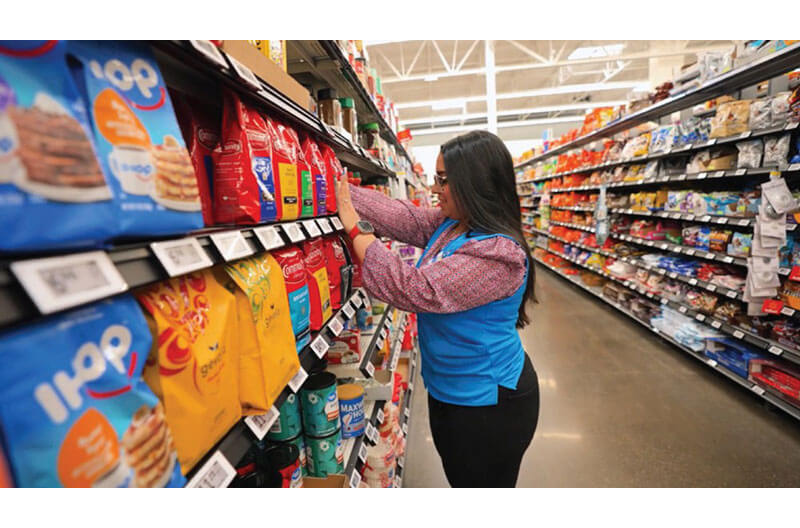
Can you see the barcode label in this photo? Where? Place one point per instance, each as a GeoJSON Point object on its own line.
{"type": "Point", "coordinates": [398, 482]}
{"type": "Point", "coordinates": [711, 287]}
{"type": "Point", "coordinates": [738, 334]}
{"type": "Point", "coordinates": [56, 283]}
{"type": "Point", "coordinates": [380, 416]}
{"type": "Point", "coordinates": [775, 350]}
{"type": "Point", "coordinates": [758, 390]}
{"type": "Point", "coordinates": [209, 51]}
{"type": "Point", "coordinates": [355, 479]}
{"type": "Point", "coordinates": [260, 424]}
{"type": "Point", "coordinates": [722, 220]}
{"type": "Point", "coordinates": [682, 309]}
{"type": "Point", "coordinates": [325, 225]}
{"type": "Point", "coordinates": [269, 237]}
{"type": "Point", "coordinates": [245, 74]}
{"type": "Point", "coordinates": [181, 256]}
{"type": "Point", "coordinates": [711, 362]}
{"type": "Point", "coordinates": [405, 428]}
{"type": "Point", "coordinates": [335, 326]}
{"type": "Point", "coordinates": [293, 230]}
{"type": "Point", "coordinates": [401, 462]}
{"type": "Point", "coordinates": [337, 223]}
{"type": "Point", "coordinates": [231, 245]}
{"type": "Point", "coordinates": [297, 381]}
{"type": "Point", "coordinates": [348, 310]}
{"type": "Point", "coordinates": [320, 346]}
{"type": "Point", "coordinates": [370, 368]}
{"type": "Point", "coordinates": [311, 228]}
{"type": "Point", "coordinates": [716, 324]}
{"type": "Point", "coordinates": [357, 301]}
{"type": "Point", "coordinates": [732, 294]}
{"type": "Point", "coordinates": [216, 473]}
{"type": "Point", "coordinates": [370, 431]}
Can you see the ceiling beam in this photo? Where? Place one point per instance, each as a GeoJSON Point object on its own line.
{"type": "Point", "coordinates": [528, 51]}
{"type": "Point", "coordinates": [392, 66]}
{"type": "Point", "coordinates": [466, 56]}
{"type": "Point", "coordinates": [414, 62]}
{"type": "Point", "coordinates": [441, 56]}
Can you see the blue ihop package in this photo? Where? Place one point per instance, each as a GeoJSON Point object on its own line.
{"type": "Point", "coordinates": [74, 410]}
{"type": "Point", "coordinates": [53, 194]}
{"type": "Point", "coordinates": [139, 141]}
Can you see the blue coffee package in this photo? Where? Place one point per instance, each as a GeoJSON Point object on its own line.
{"type": "Point", "coordinates": [139, 142]}
{"type": "Point", "coordinates": [53, 194]}
{"type": "Point", "coordinates": [74, 410]}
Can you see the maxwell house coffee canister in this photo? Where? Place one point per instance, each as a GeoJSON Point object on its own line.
{"type": "Point", "coordinates": [351, 409]}
{"type": "Point", "coordinates": [289, 424]}
{"type": "Point", "coordinates": [325, 456]}
{"type": "Point", "coordinates": [320, 406]}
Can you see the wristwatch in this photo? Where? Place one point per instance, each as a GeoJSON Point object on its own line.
{"type": "Point", "coordinates": [362, 227]}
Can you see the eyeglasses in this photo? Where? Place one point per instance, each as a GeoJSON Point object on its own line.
{"type": "Point", "coordinates": [440, 180]}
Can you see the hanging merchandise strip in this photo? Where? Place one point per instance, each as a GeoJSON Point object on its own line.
{"type": "Point", "coordinates": [767, 67]}
{"type": "Point", "coordinates": [238, 440]}
{"type": "Point", "coordinates": [789, 409]}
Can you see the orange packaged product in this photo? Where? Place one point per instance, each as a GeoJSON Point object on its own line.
{"type": "Point", "coordinates": [318, 287]}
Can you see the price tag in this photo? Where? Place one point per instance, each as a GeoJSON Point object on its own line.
{"type": "Point", "coordinates": [711, 287]}
{"type": "Point", "coordinates": [673, 275]}
{"type": "Point", "coordinates": [362, 453]}
{"type": "Point", "coordinates": [297, 381]}
{"type": "Point", "coordinates": [711, 362]}
{"type": "Point", "coordinates": [662, 271]}
{"type": "Point", "coordinates": [181, 256]}
{"type": "Point", "coordinates": [217, 472]}
{"type": "Point", "coordinates": [700, 317]}
{"type": "Point", "coordinates": [745, 135]}
{"type": "Point", "coordinates": [405, 428]}
{"type": "Point", "coordinates": [711, 142]}
{"type": "Point", "coordinates": [261, 423]}
{"type": "Point", "coordinates": [336, 326]}
{"type": "Point", "coordinates": [371, 432]}
{"type": "Point", "coordinates": [731, 294]}
{"type": "Point", "coordinates": [784, 271]}
{"type": "Point", "coordinates": [231, 245]}
{"type": "Point", "coordinates": [723, 220]}
{"type": "Point", "coordinates": [320, 346]}
{"type": "Point", "coordinates": [55, 283]}
{"type": "Point", "coordinates": [794, 167]}
{"type": "Point", "coordinates": [689, 252]}
{"type": "Point", "coordinates": [705, 218]}
{"type": "Point", "coordinates": [719, 174]}
{"type": "Point", "coordinates": [758, 390]}
{"type": "Point", "coordinates": [348, 310]}
{"type": "Point", "coordinates": [716, 324]}
{"type": "Point", "coordinates": [738, 334]}
{"type": "Point", "coordinates": [337, 224]}
{"type": "Point", "coordinates": [693, 282]}
{"type": "Point", "coordinates": [370, 368]}
{"type": "Point", "coordinates": [356, 301]}
{"type": "Point", "coordinates": [775, 350]}
{"type": "Point", "coordinates": [245, 74]}
{"type": "Point", "coordinates": [683, 177]}
{"type": "Point", "coordinates": [210, 52]}
{"type": "Point", "coordinates": [664, 301]}
{"type": "Point", "coordinates": [702, 176]}
{"type": "Point", "coordinates": [401, 462]}
{"type": "Point", "coordinates": [744, 222]}
{"type": "Point", "coordinates": [398, 482]}
{"type": "Point", "coordinates": [741, 172]}
{"type": "Point", "coordinates": [355, 479]}
{"type": "Point", "coordinates": [788, 312]}
{"type": "Point", "coordinates": [269, 237]}
{"type": "Point", "coordinates": [395, 359]}
{"type": "Point", "coordinates": [293, 230]}
{"type": "Point", "coordinates": [413, 363]}
{"type": "Point", "coordinates": [311, 228]}
{"type": "Point", "coordinates": [325, 225]}
{"type": "Point", "coordinates": [380, 416]}
{"type": "Point", "coordinates": [682, 309]}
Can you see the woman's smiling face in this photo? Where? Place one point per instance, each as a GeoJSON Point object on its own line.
{"type": "Point", "coordinates": [446, 202]}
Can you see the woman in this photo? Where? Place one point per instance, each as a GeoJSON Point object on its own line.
{"type": "Point", "coordinates": [470, 290]}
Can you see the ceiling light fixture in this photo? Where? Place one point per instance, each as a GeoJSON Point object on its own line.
{"type": "Point", "coordinates": [591, 52]}
{"type": "Point", "coordinates": [447, 104]}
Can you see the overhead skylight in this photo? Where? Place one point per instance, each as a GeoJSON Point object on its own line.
{"type": "Point", "coordinates": [592, 52]}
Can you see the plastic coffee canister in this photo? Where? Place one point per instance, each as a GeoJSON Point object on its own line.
{"type": "Point", "coordinates": [351, 409]}
{"type": "Point", "coordinates": [300, 443]}
{"type": "Point", "coordinates": [325, 456]}
{"type": "Point", "coordinates": [281, 462]}
{"type": "Point", "coordinates": [289, 424]}
{"type": "Point", "coordinates": [320, 405]}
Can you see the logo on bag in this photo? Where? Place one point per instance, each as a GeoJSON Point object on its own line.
{"type": "Point", "coordinates": [138, 82]}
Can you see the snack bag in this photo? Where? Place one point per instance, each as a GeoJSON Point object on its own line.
{"type": "Point", "coordinates": [284, 169]}
{"type": "Point", "coordinates": [53, 194]}
{"type": "Point", "coordinates": [138, 140]}
{"type": "Point", "coordinates": [291, 260]}
{"type": "Point", "coordinates": [319, 174]}
{"type": "Point", "coordinates": [193, 366]}
{"type": "Point", "coordinates": [244, 186]}
{"type": "Point", "coordinates": [201, 131]}
{"type": "Point", "coordinates": [318, 286]}
{"type": "Point", "coordinates": [335, 260]}
{"type": "Point", "coordinates": [305, 179]}
{"type": "Point", "coordinates": [74, 409]}
{"type": "Point", "coordinates": [333, 170]}
{"type": "Point", "coordinates": [268, 359]}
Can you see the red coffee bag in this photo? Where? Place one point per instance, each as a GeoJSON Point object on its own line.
{"type": "Point", "coordinates": [284, 167]}
{"type": "Point", "coordinates": [319, 174]}
{"type": "Point", "coordinates": [335, 260]}
{"type": "Point", "coordinates": [305, 181]}
{"type": "Point", "coordinates": [333, 169]}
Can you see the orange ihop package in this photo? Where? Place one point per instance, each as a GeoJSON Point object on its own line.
{"type": "Point", "coordinates": [267, 355]}
{"type": "Point", "coordinates": [193, 365]}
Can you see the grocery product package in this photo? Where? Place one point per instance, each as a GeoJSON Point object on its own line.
{"type": "Point", "coordinates": [731, 118]}
{"type": "Point", "coordinates": [53, 194]}
{"type": "Point", "coordinates": [244, 186]}
{"type": "Point", "coordinates": [291, 260]}
{"type": "Point", "coordinates": [750, 153]}
{"type": "Point", "coordinates": [318, 286]}
{"type": "Point", "coordinates": [267, 354]}
{"type": "Point", "coordinates": [193, 366]}
{"type": "Point", "coordinates": [200, 125]}
{"type": "Point", "coordinates": [5, 474]}
{"type": "Point", "coordinates": [305, 178]}
{"type": "Point", "coordinates": [138, 140]}
{"type": "Point", "coordinates": [316, 162]}
{"type": "Point", "coordinates": [335, 261]}
{"type": "Point", "coordinates": [333, 170]}
{"type": "Point", "coordinates": [776, 151]}
{"type": "Point", "coordinates": [74, 409]}
{"type": "Point", "coordinates": [284, 169]}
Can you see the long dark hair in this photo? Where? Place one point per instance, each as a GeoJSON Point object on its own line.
{"type": "Point", "coordinates": [480, 175]}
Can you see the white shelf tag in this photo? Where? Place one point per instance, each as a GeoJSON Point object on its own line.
{"type": "Point", "coordinates": [689, 251]}
{"type": "Point", "coordinates": [787, 311]}
{"type": "Point", "coordinates": [370, 370]}
{"type": "Point", "coordinates": [348, 310]}
{"type": "Point", "coordinates": [55, 283]}
{"type": "Point", "coordinates": [711, 362]}
{"type": "Point", "coordinates": [682, 309]}
{"type": "Point", "coordinates": [732, 294]}
{"type": "Point", "coordinates": [294, 232]}
{"type": "Point", "coordinates": [181, 256]}
{"type": "Point", "coordinates": [335, 326]}
{"type": "Point", "coordinates": [320, 346]}
{"type": "Point", "coordinates": [297, 381]}
{"type": "Point", "coordinates": [357, 301]}
{"type": "Point", "coordinates": [775, 350]}
{"type": "Point", "coordinates": [702, 176]}
{"type": "Point", "coordinates": [362, 452]}
{"type": "Point", "coordinates": [723, 220]}
{"type": "Point", "coordinates": [380, 416]}
{"type": "Point", "coordinates": [379, 343]}
{"type": "Point", "coordinates": [217, 472]}
{"type": "Point", "coordinates": [738, 334]}
{"type": "Point", "coordinates": [355, 479]}
{"type": "Point", "coordinates": [664, 301]}
{"type": "Point", "coordinates": [791, 126]}
{"type": "Point", "coordinates": [758, 390]}
{"type": "Point", "coordinates": [370, 432]}
{"type": "Point", "coordinates": [719, 174]}
{"type": "Point", "coordinates": [741, 172]}
{"type": "Point", "coordinates": [700, 317]}
{"type": "Point", "coordinates": [711, 142]}
{"type": "Point", "coordinates": [405, 428]}
{"type": "Point", "coordinates": [395, 359]}
{"type": "Point", "coordinates": [260, 424]}
{"type": "Point", "coordinates": [716, 324]}
{"type": "Point", "coordinates": [745, 135]}
{"type": "Point", "coordinates": [794, 167]}
{"type": "Point", "coordinates": [337, 223]}
{"type": "Point", "coordinates": [673, 275]}
{"type": "Point", "coordinates": [231, 245]}
{"type": "Point", "coordinates": [398, 482]}
{"type": "Point", "coordinates": [311, 228]}
{"type": "Point", "coordinates": [269, 237]}
{"type": "Point", "coordinates": [693, 282]}
{"type": "Point", "coordinates": [210, 52]}
{"type": "Point", "coordinates": [325, 225]}
{"type": "Point", "coordinates": [245, 74]}
{"type": "Point", "coordinates": [711, 287]}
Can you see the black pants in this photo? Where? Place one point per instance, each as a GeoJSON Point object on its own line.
{"type": "Point", "coordinates": [482, 447]}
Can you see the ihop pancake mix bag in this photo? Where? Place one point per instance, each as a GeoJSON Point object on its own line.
{"type": "Point", "coordinates": [139, 143]}
{"type": "Point", "coordinates": [53, 193]}
{"type": "Point", "coordinates": [318, 287]}
{"type": "Point", "coordinates": [291, 260]}
{"type": "Point", "coordinates": [284, 169]}
{"type": "Point", "coordinates": [305, 179]}
{"type": "Point", "coordinates": [74, 409]}
{"type": "Point", "coordinates": [318, 174]}
{"type": "Point", "coordinates": [193, 366]}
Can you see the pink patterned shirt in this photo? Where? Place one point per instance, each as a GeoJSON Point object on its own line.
{"type": "Point", "coordinates": [479, 272]}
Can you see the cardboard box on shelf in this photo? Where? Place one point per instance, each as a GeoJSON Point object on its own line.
{"type": "Point", "coordinates": [331, 481]}
{"type": "Point", "coordinates": [253, 58]}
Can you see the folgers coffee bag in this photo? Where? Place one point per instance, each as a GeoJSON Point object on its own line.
{"type": "Point", "coordinates": [318, 173]}
{"type": "Point", "coordinates": [53, 194]}
{"type": "Point", "coordinates": [333, 170]}
{"type": "Point", "coordinates": [305, 179]}
{"type": "Point", "coordinates": [291, 260]}
{"type": "Point", "coordinates": [268, 361]}
{"type": "Point", "coordinates": [194, 366]}
{"type": "Point", "coordinates": [74, 409]}
{"type": "Point", "coordinates": [284, 167]}
{"type": "Point", "coordinates": [335, 260]}
{"type": "Point", "coordinates": [318, 287]}
{"type": "Point", "coordinates": [201, 130]}
{"type": "Point", "coordinates": [139, 143]}
{"type": "Point", "coordinates": [245, 190]}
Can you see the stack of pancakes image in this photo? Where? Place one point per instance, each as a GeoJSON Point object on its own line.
{"type": "Point", "coordinates": [175, 179]}
{"type": "Point", "coordinates": [148, 447]}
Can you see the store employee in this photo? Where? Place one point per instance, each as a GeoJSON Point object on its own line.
{"type": "Point", "coordinates": [470, 289]}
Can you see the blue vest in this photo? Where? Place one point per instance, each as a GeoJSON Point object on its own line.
{"type": "Point", "coordinates": [466, 355]}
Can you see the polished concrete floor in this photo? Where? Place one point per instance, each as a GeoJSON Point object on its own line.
{"type": "Point", "coordinates": [621, 408]}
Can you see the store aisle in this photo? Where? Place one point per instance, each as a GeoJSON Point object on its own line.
{"type": "Point", "coordinates": [622, 408]}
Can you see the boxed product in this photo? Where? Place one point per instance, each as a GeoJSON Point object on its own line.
{"type": "Point", "coordinates": [53, 193]}
{"type": "Point", "coordinates": [74, 409]}
{"type": "Point", "coordinates": [740, 245]}
{"type": "Point", "coordinates": [346, 348]}
{"type": "Point", "coordinates": [778, 377]}
{"type": "Point", "coordinates": [293, 266]}
{"type": "Point", "coordinates": [193, 366]}
{"type": "Point", "coordinates": [139, 143]}
{"type": "Point", "coordinates": [731, 353]}
{"type": "Point", "coordinates": [318, 286]}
